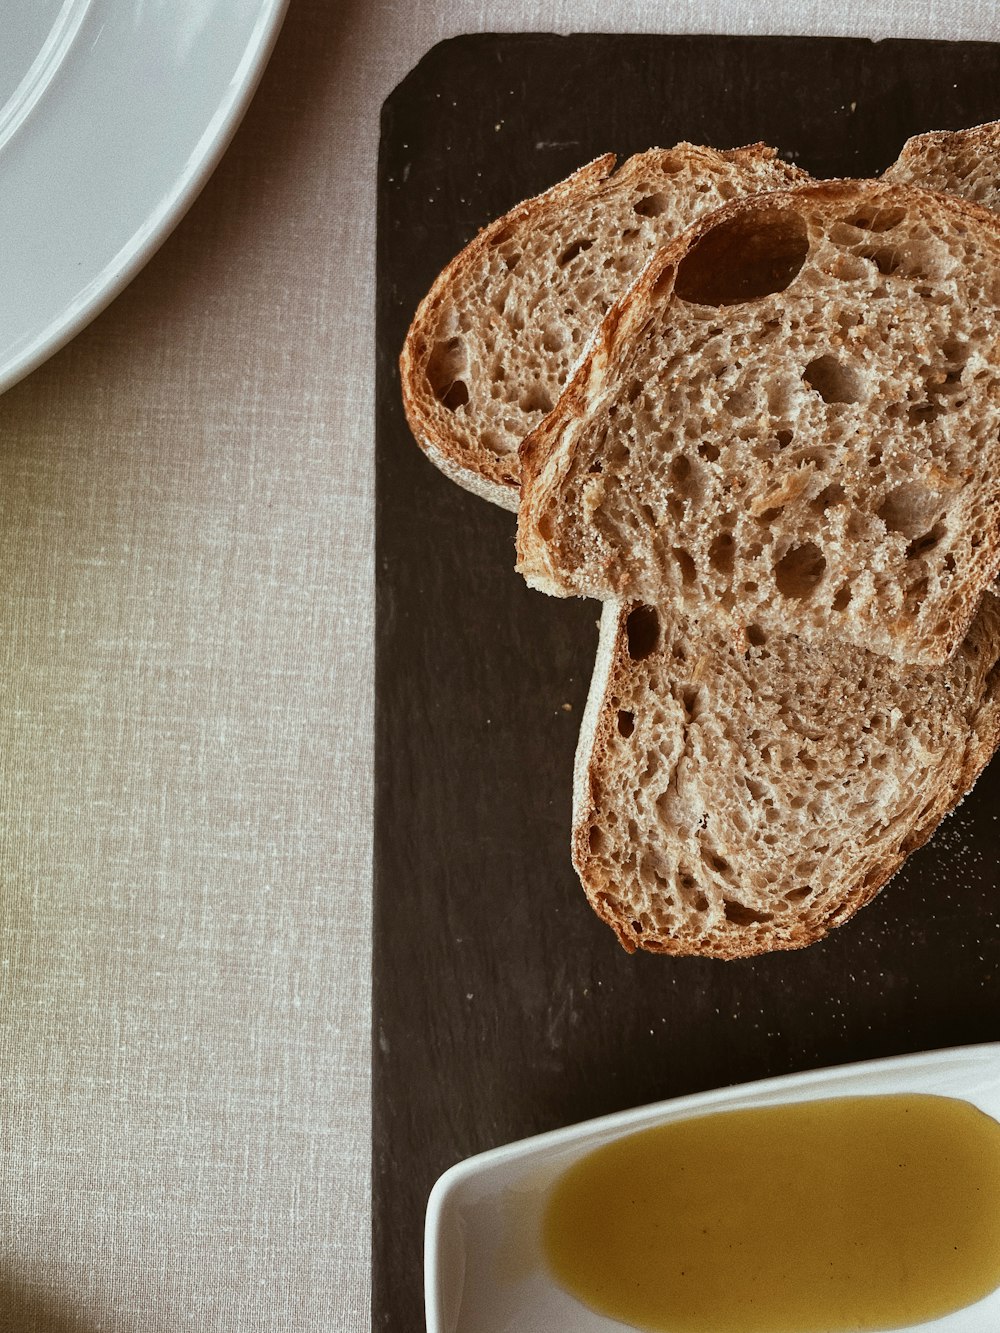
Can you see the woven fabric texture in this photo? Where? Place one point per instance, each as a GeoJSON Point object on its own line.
{"type": "Point", "coordinates": [185, 842]}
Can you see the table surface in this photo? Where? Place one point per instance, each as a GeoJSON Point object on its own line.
{"type": "Point", "coordinates": [187, 716]}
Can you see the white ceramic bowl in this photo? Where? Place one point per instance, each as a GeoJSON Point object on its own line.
{"type": "Point", "coordinates": [484, 1271]}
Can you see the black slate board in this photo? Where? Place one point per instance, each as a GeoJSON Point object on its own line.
{"type": "Point", "coordinates": [502, 1007]}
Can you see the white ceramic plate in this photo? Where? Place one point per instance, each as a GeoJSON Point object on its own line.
{"type": "Point", "coordinates": [112, 115]}
{"type": "Point", "coordinates": [484, 1271]}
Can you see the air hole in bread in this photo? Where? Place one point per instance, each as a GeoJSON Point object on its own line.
{"type": "Point", "coordinates": [842, 597]}
{"type": "Point", "coordinates": [718, 863]}
{"type": "Point", "coordinates": [744, 258]}
{"type": "Point", "coordinates": [457, 395]}
{"type": "Point", "coordinates": [536, 398]}
{"type": "Point", "coordinates": [690, 698]}
{"type": "Point", "coordinates": [689, 570]}
{"type": "Point", "coordinates": [652, 206]}
{"type": "Point", "coordinates": [885, 258]}
{"type": "Point", "coordinates": [741, 915]}
{"type": "Point", "coordinates": [799, 572]}
{"type": "Point", "coordinates": [768, 515]}
{"type": "Point", "coordinates": [663, 282]}
{"type": "Point", "coordinates": [685, 478]}
{"type": "Point", "coordinates": [722, 553]}
{"type": "Point", "coordinates": [756, 636]}
{"type": "Point", "coordinates": [626, 722]}
{"type": "Point", "coordinates": [799, 894]}
{"type": "Point", "coordinates": [596, 839]}
{"type": "Point", "coordinates": [446, 365]}
{"type": "Point", "coordinates": [574, 249]}
{"type": "Point", "coordinates": [833, 381]}
{"type": "Point", "coordinates": [878, 219]}
{"type": "Point", "coordinates": [829, 496]}
{"type": "Point", "coordinates": [926, 542]}
{"type": "Point", "coordinates": [642, 629]}
{"type": "Point", "coordinates": [741, 403]}
{"type": "Point", "coordinates": [709, 451]}
{"type": "Point", "coordinates": [784, 438]}
{"type": "Point", "coordinates": [554, 338]}
{"type": "Point", "coordinates": [956, 350]}
{"type": "Point", "coordinates": [909, 509]}
{"type": "Point", "coordinates": [921, 413]}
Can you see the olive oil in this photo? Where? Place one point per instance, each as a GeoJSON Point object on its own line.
{"type": "Point", "coordinates": [851, 1213]}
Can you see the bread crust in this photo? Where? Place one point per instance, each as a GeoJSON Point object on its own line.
{"type": "Point", "coordinates": [461, 453]}
{"type": "Point", "coordinates": [553, 451]}
{"type": "Point", "coordinates": [597, 802]}
{"type": "Point", "coordinates": [476, 469]}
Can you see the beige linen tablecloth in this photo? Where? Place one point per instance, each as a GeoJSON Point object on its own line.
{"type": "Point", "coordinates": [186, 557]}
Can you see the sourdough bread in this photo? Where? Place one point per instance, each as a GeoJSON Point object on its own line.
{"type": "Point", "coordinates": [735, 798]}
{"type": "Point", "coordinates": [792, 421]}
{"type": "Point", "coordinates": [493, 342]}
{"type": "Point", "coordinates": [961, 162]}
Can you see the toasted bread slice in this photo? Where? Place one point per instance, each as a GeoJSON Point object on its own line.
{"type": "Point", "coordinates": [961, 162]}
{"type": "Point", "coordinates": [731, 799]}
{"type": "Point", "coordinates": [791, 420]}
{"type": "Point", "coordinates": [493, 342]}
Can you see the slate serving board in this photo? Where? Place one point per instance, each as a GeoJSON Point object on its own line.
{"type": "Point", "coordinates": [502, 1006]}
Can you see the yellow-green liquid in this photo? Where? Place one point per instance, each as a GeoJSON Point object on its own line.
{"type": "Point", "coordinates": [852, 1213]}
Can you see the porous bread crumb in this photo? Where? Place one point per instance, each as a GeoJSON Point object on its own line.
{"type": "Point", "coordinates": [960, 162]}
{"type": "Point", "coordinates": [793, 420]}
{"type": "Point", "coordinates": [733, 799]}
{"type": "Point", "coordinates": [497, 336]}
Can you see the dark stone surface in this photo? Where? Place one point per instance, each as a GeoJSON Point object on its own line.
{"type": "Point", "coordinates": [502, 1006]}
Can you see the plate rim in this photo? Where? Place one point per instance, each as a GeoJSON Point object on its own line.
{"type": "Point", "coordinates": [59, 325]}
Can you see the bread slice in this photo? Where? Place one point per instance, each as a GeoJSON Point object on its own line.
{"type": "Point", "coordinates": [476, 379]}
{"type": "Point", "coordinates": [965, 163]}
{"type": "Point", "coordinates": [791, 420]}
{"type": "Point", "coordinates": [493, 342]}
{"type": "Point", "coordinates": [961, 162]}
{"type": "Point", "coordinates": [732, 799]}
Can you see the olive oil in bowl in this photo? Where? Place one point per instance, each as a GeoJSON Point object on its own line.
{"type": "Point", "coordinates": [847, 1213]}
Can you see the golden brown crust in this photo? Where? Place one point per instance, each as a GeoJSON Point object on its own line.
{"type": "Point", "coordinates": [479, 469]}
